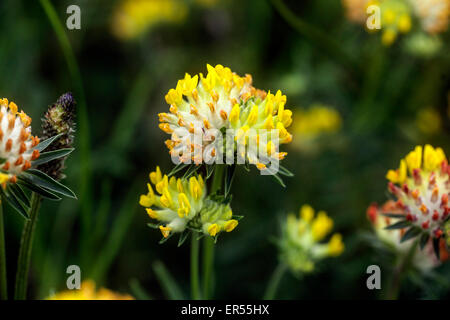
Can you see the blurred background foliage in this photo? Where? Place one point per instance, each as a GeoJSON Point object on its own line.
{"type": "Point", "coordinates": [383, 101]}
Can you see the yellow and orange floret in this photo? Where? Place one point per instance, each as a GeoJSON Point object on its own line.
{"type": "Point", "coordinates": [181, 203]}
{"type": "Point", "coordinates": [301, 244]}
{"type": "Point", "coordinates": [16, 142]}
{"type": "Point", "coordinates": [219, 101]}
{"type": "Point", "coordinates": [421, 185]}
{"type": "Point", "coordinates": [88, 291]}
{"type": "Point", "coordinates": [398, 16]}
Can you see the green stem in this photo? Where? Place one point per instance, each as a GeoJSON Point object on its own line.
{"type": "Point", "coordinates": [399, 272]}
{"type": "Point", "coordinates": [83, 121]}
{"type": "Point", "coordinates": [3, 279]}
{"type": "Point", "coordinates": [195, 286]}
{"type": "Point", "coordinates": [26, 246]}
{"type": "Point", "coordinates": [274, 281]}
{"type": "Point", "coordinates": [317, 37]}
{"type": "Point", "coordinates": [208, 243]}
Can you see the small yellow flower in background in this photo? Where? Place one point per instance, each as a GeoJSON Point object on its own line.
{"type": "Point", "coordinates": [428, 121]}
{"type": "Point", "coordinates": [421, 187]}
{"type": "Point", "coordinates": [132, 18]}
{"type": "Point", "coordinates": [423, 260]}
{"type": "Point", "coordinates": [302, 241]}
{"type": "Point", "coordinates": [16, 142]}
{"type": "Point", "coordinates": [313, 123]}
{"type": "Point", "coordinates": [183, 204]}
{"type": "Point", "coordinates": [88, 291]}
{"type": "Point", "coordinates": [218, 101]}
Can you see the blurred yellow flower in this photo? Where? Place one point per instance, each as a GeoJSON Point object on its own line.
{"type": "Point", "coordinates": [132, 18]}
{"type": "Point", "coordinates": [183, 204]}
{"type": "Point", "coordinates": [428, 121]}
{"type": "Point", "coordinates": [88, 291]}
{"type": "Point", "coordinates": [316, 120]}
{"type": "Point", "coordinates": [301, 243]}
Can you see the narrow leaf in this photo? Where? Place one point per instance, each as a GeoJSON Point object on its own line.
{"type": "Point", "coordinates": [410, 233]}
{"type": "Point", "coordinates": [18, 192]}
{"type": "Point", "coordinates": [436, 247]}
{"type": "Point", "coordinates": [44, 144]}
{"type": "Point", "coordinates": [398, 225]}
{"type": "Point", "coordinates": [230, 172]}
{"type": "Point", "coordinates": [183, 238]}
{"type": "Point", "coordinates": [14, 203]}
{"type": "Point", "coordinates": [393, 215]}
{"type": "Point", "coordinates": [423, 240]}
{"type": "Point", "coordinates": [177, 168]}
{"type": "Point", "coordinates": [210, 170]}
{"type": "Point", "coordinates": [41, 179]}
{"type": "Point", "coordinates": [285, 172]}
{"type": "Point", "coordinates": [43, 192]}
{"type": "Point", "coordinates": [51, 155]}
{"type": "Point", "coordinates": [278, 179]}
{"type": "Point", "coordinates": [189, 172]}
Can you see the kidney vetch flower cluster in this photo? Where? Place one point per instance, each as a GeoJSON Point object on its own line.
{"type": "Point", "coordinates": [180, 204]}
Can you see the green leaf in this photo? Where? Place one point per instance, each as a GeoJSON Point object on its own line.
{"type": "Point", "coordinates": [423, 240]}
{"type": "Point", "coordinates": [177, 168]}
{"type": "Point", "coordinates": [44, 144]}
{"type": "Point", "coordinates": [398, 225]}
{"type": "Point", "coordinates": [51, 155]}
{"type": "Point", "coordinates": [184, 235]}
{"type": "Point", "coordinates": [237, 217]}
{"type": "Point", "coordinates": [154, 225]}
{"type": "Point", "coordinates": [189, 172]}
{"type": "Point", "coordinates": [285, 172]}
{"type": "Point", "coordinates": [229, 177]}
{"type": "Point", "coordinates": [410, 233]}
{"type": "Point", "coordinates": [210, 170]}
{"type": "Point", "coordinates": [43, 192]}
{"type": "Point", "coordinates": [436, 247]}
{"type": "Point", "coordinates": [39, 178]}
{"type": "Point", "coordinates": [14, 202]}
{"type": "Point", "coordinates": [18, 192]}
{"type": "Point", "coordinates": [278, 179]}
{"type": "Point", "coordinates": [393, 215]}
{"type": "Point", "coordinates": [247, 167]}
{"type": "Point", "coordinates": [163, 240]}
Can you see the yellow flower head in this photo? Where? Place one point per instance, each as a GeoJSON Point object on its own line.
{"type": "Point", "coordinates": [222, 100]}
{"type": "Point", "coordinates": [301, 244]}
{"type": "Point", "coordinates": [132, 18]}
{"type": "Point", "coordinates": [89, 292]}
{"type": "Point", "coordinates": [429, 121]}
{"type": "Point", "coordinates": [421, 187]}
{"type": "Point", "coordinates": [181, 203]}
{"type": "Point", "coordinates": [316, 120]}
{"type": "Point", "coordinates": [16, 142]}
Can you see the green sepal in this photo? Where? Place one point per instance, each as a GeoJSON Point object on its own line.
{"type": "Point", "coordinates": [393, 215]}
{"type": "Point", "coordinates": [51, 155]}
{"type": "Point", "coordinates": [209, 170]}
{"type": "Point", "coordinates": [278, 179]}
{"type": "Point", "coordinates": [190, 171]}
{"type": "Point", "coordinates": [229, 177]}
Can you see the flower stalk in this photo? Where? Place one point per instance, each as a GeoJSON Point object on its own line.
{"type": "Point", "coordinates": [208, 244]}
{"type": "Point", "coordinates": [26, 246]}
{"type": "Point", "coordinates": [195, 287]}
{"type": "Point", "coordinates": [3, 279]}
{"type": "Point", "coordinates": [274, 281]}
